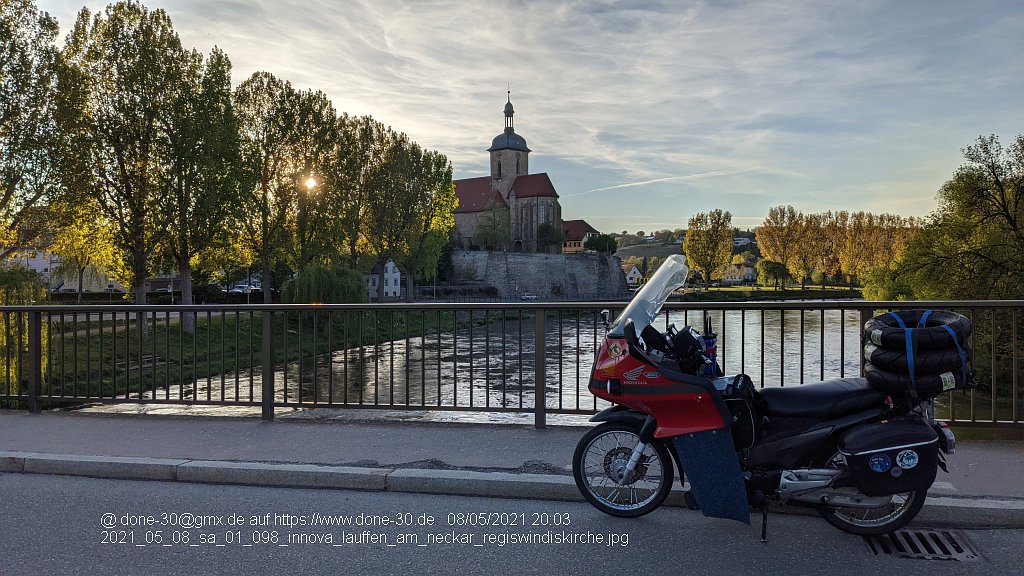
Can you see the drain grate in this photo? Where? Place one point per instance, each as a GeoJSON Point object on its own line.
{"type": "Point", "coordinates": [923, 544]}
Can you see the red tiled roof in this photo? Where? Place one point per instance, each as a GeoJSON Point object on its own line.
{"type": "Point", "coordinates": [475, 195]}
{"type": "Point", "coordinates": [576, 230]}
{"type": "Point", "coordinates": [532, 185]}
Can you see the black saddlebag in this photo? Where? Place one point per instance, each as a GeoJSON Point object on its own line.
{"type": "Point", "coordinates": [891, 457]}
{"type": "Point", "coordinates": [742, 399]}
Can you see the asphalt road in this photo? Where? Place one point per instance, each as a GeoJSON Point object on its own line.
{"type": "Point", "coordinates": [55, 525]}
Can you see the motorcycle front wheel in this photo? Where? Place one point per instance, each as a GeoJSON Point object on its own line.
{"type": "Point", "coordinates": [600, 457]}
{"type": "Point", "coordinates": [900, 509]}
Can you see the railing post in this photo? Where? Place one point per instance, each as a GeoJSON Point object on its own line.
{"type": "Point", "coordinates": [865, 315]}
{"type": "Point", "coordinates": [35, 360]}
{"type": "Point", "coordinates": [267, 356]}
{"type": "Point", "coordinates": [539, 370]}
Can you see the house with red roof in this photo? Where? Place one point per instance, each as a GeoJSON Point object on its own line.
{"type": "Point", "coordinates": [527, 200]}
{"type": "Point", "coordinates": [576, 233]}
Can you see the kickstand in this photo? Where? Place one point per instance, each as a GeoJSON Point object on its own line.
{"type": "Point", "coordinates": [764, 522]}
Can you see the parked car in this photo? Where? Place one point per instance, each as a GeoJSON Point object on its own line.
{"type": "Point", "coordinates": [528, 296]}
{"type": "Point", "coordinates": [245, 289]}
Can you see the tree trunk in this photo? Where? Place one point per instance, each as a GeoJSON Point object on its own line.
{"type": "Point", "coordinates": [268, 295]}
{"type": "Point", "coordinates": [409, 287]}
{"type": "Point", "coordinates": [140, 273]}
{"type": "Point", "coordinates": [81, 274]}
{"type": "Point", "coordinates": [188, 319]}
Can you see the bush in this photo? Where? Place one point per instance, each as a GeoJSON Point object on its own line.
{"type": "Point", "coordinates": [317, 284]}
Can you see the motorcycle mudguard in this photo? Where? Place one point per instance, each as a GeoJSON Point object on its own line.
{"type": "Point", "coordinates": [713, 470]}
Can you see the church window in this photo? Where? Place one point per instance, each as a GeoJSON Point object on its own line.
{"type": "Point", "coordinates": [499, 168]}
{"type": "Point", "coordinates": [517, 163]}
{"type": "Point", "coordinates": [542, 214]}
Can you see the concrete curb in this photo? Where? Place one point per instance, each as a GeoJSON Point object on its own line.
{"type": "Point", "coordinates": [939, 510]}
{"type": "Point", "coordinates": [493, 484]}
{"type": "Point", "coordinates": [294, 475]}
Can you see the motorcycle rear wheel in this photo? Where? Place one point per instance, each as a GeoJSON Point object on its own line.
{"type": "Point", "coordinates": [604, 450]}
{"type": "Point", "coordinates": [902, 508]}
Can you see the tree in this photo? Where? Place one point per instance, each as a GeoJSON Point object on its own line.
{"type": "Point", "coordinates": [809, 248]}
{"type": "Point", "coordinates": [834, 236]}
{"type": "Point", "coordinates": [549, 235]}
{"type": "Point", "coordinates": [32, 147]}
{"type": "Point", "coordinates": [855, 252]}
{"type": "Point", "coordinates": [203, 180]}
{"type": "Point", "coordinates": [777, 236]}
{"type": "Point", "coordinates": [130, 61]}
{"type": "Point", "coordinates": [708, 243]}
{"type": "Point", "coordinates": [493, 230]}
{"type": "Point", "coordinates": [435, 218]}
{"type": "Point", "coordinates": [602, 243]}
{"type": "Point", "coordinates": [312, 142]}
{"type": "Point", "coordinates": [265, 107]}
{"type": "Point", "coordinates": [771, 272]}
{"type": "Point", "coordinates": [318, 284]}
{"type": "Point", "coordinates": [358, 140]}
{"type": "Point", "coordinates": [410, 201]}
{"type": "Point", "coordinates": [85, 246]}
{"type": "Point", "coordinates": [972, 246]}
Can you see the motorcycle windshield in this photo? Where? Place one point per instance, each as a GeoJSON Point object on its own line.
{"type": "Point", "coordinates": [647, 302]}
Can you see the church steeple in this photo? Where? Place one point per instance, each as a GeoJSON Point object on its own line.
{"type": "Point", "coordinates": [509, 111]}
{"type": "Point", "coordinates": [509, 154]}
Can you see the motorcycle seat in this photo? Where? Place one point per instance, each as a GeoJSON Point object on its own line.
{"type": "Point", "coordinates": [828, 399]}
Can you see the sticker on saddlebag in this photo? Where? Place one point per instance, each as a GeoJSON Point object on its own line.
{"type": "Point", "coordinates": [948, 381]}
{"type": "Point", "coordinates": [907, 459]}
{"type": "Point", "coordinates": [876, 337]}
{"type": "Point", "coordinates": [880, 463]}
{"type": "Point", "coordinates": [896, 471]}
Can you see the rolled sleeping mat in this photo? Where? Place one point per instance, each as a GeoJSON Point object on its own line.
{"type": "Point", "coordinates": [898, 384]}
{"type": "Point", "coordinates": [930, 329]}
{"type": "Point", "coordinates": [932, 361]}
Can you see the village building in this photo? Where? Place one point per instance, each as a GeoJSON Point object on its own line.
{"type": "Point", "coordinates": [633, 276]}
{"type": "Point", "coordinates": [392, 281]}
{"type": "Point", "coordinates": [576, 233]}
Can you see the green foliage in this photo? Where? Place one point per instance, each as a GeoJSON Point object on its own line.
{"type": "Point", "coordinates": [708, 243]}
{"type": "Point", "coordinates": [84, 245]}
{"type": "Point", "coordinates": [549, 235]}
{"type": "Point", "coordinates": [318, 284]}
{"type": "Point", "coordinates": [601, 243]}
{"type": "Point", "coordinates": [972, 246]}
{"type": "Point", "coordinates": [770, 272]}
{"type": "Point", "coordinates": [31, 145]}
{"type": "Point", "coordinates": [130, 64]}
{"type": "Point", "coordinates": [885, 284]}
{"type": "Point", "coordinates": [18, 285]}
{"type": "Point", "coordinates": [493, 230]}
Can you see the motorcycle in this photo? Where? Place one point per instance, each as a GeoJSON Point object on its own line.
{"type": "Point", "coordinates": [864, 457]}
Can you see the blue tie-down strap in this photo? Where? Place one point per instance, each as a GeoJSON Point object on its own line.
{"type": "Point", "coordinates": [710, 463]}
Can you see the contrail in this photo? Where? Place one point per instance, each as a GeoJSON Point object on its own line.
{"type": "Point", "coordinates": [668, 179]}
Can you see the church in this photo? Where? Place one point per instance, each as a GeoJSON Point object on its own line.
{"type": "Point", "coordinates": [529, 200]}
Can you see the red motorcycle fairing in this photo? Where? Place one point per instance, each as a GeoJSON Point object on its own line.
{"type": "Point", "coordinates": [681, 404]}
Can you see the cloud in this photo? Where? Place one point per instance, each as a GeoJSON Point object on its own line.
{"type": "Point", "coordinates": [666, 179]}
{"type": "Point", "coordinates": [841, 101]}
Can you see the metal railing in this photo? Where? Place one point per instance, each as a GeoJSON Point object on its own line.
{"type": "Point", "coordinates": [446, 356]}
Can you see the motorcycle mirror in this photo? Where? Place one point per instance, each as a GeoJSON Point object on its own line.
{"type": "Point", "coordinates": [629, 333]}
{"type": "Point", "coordinates": [606, 317]}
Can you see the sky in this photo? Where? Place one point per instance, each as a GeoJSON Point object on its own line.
{"type": "Point", "coordinates": [646, 113]}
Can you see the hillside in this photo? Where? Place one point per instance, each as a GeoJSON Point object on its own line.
{"type": "Point", "coordinates": [648, 250]}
